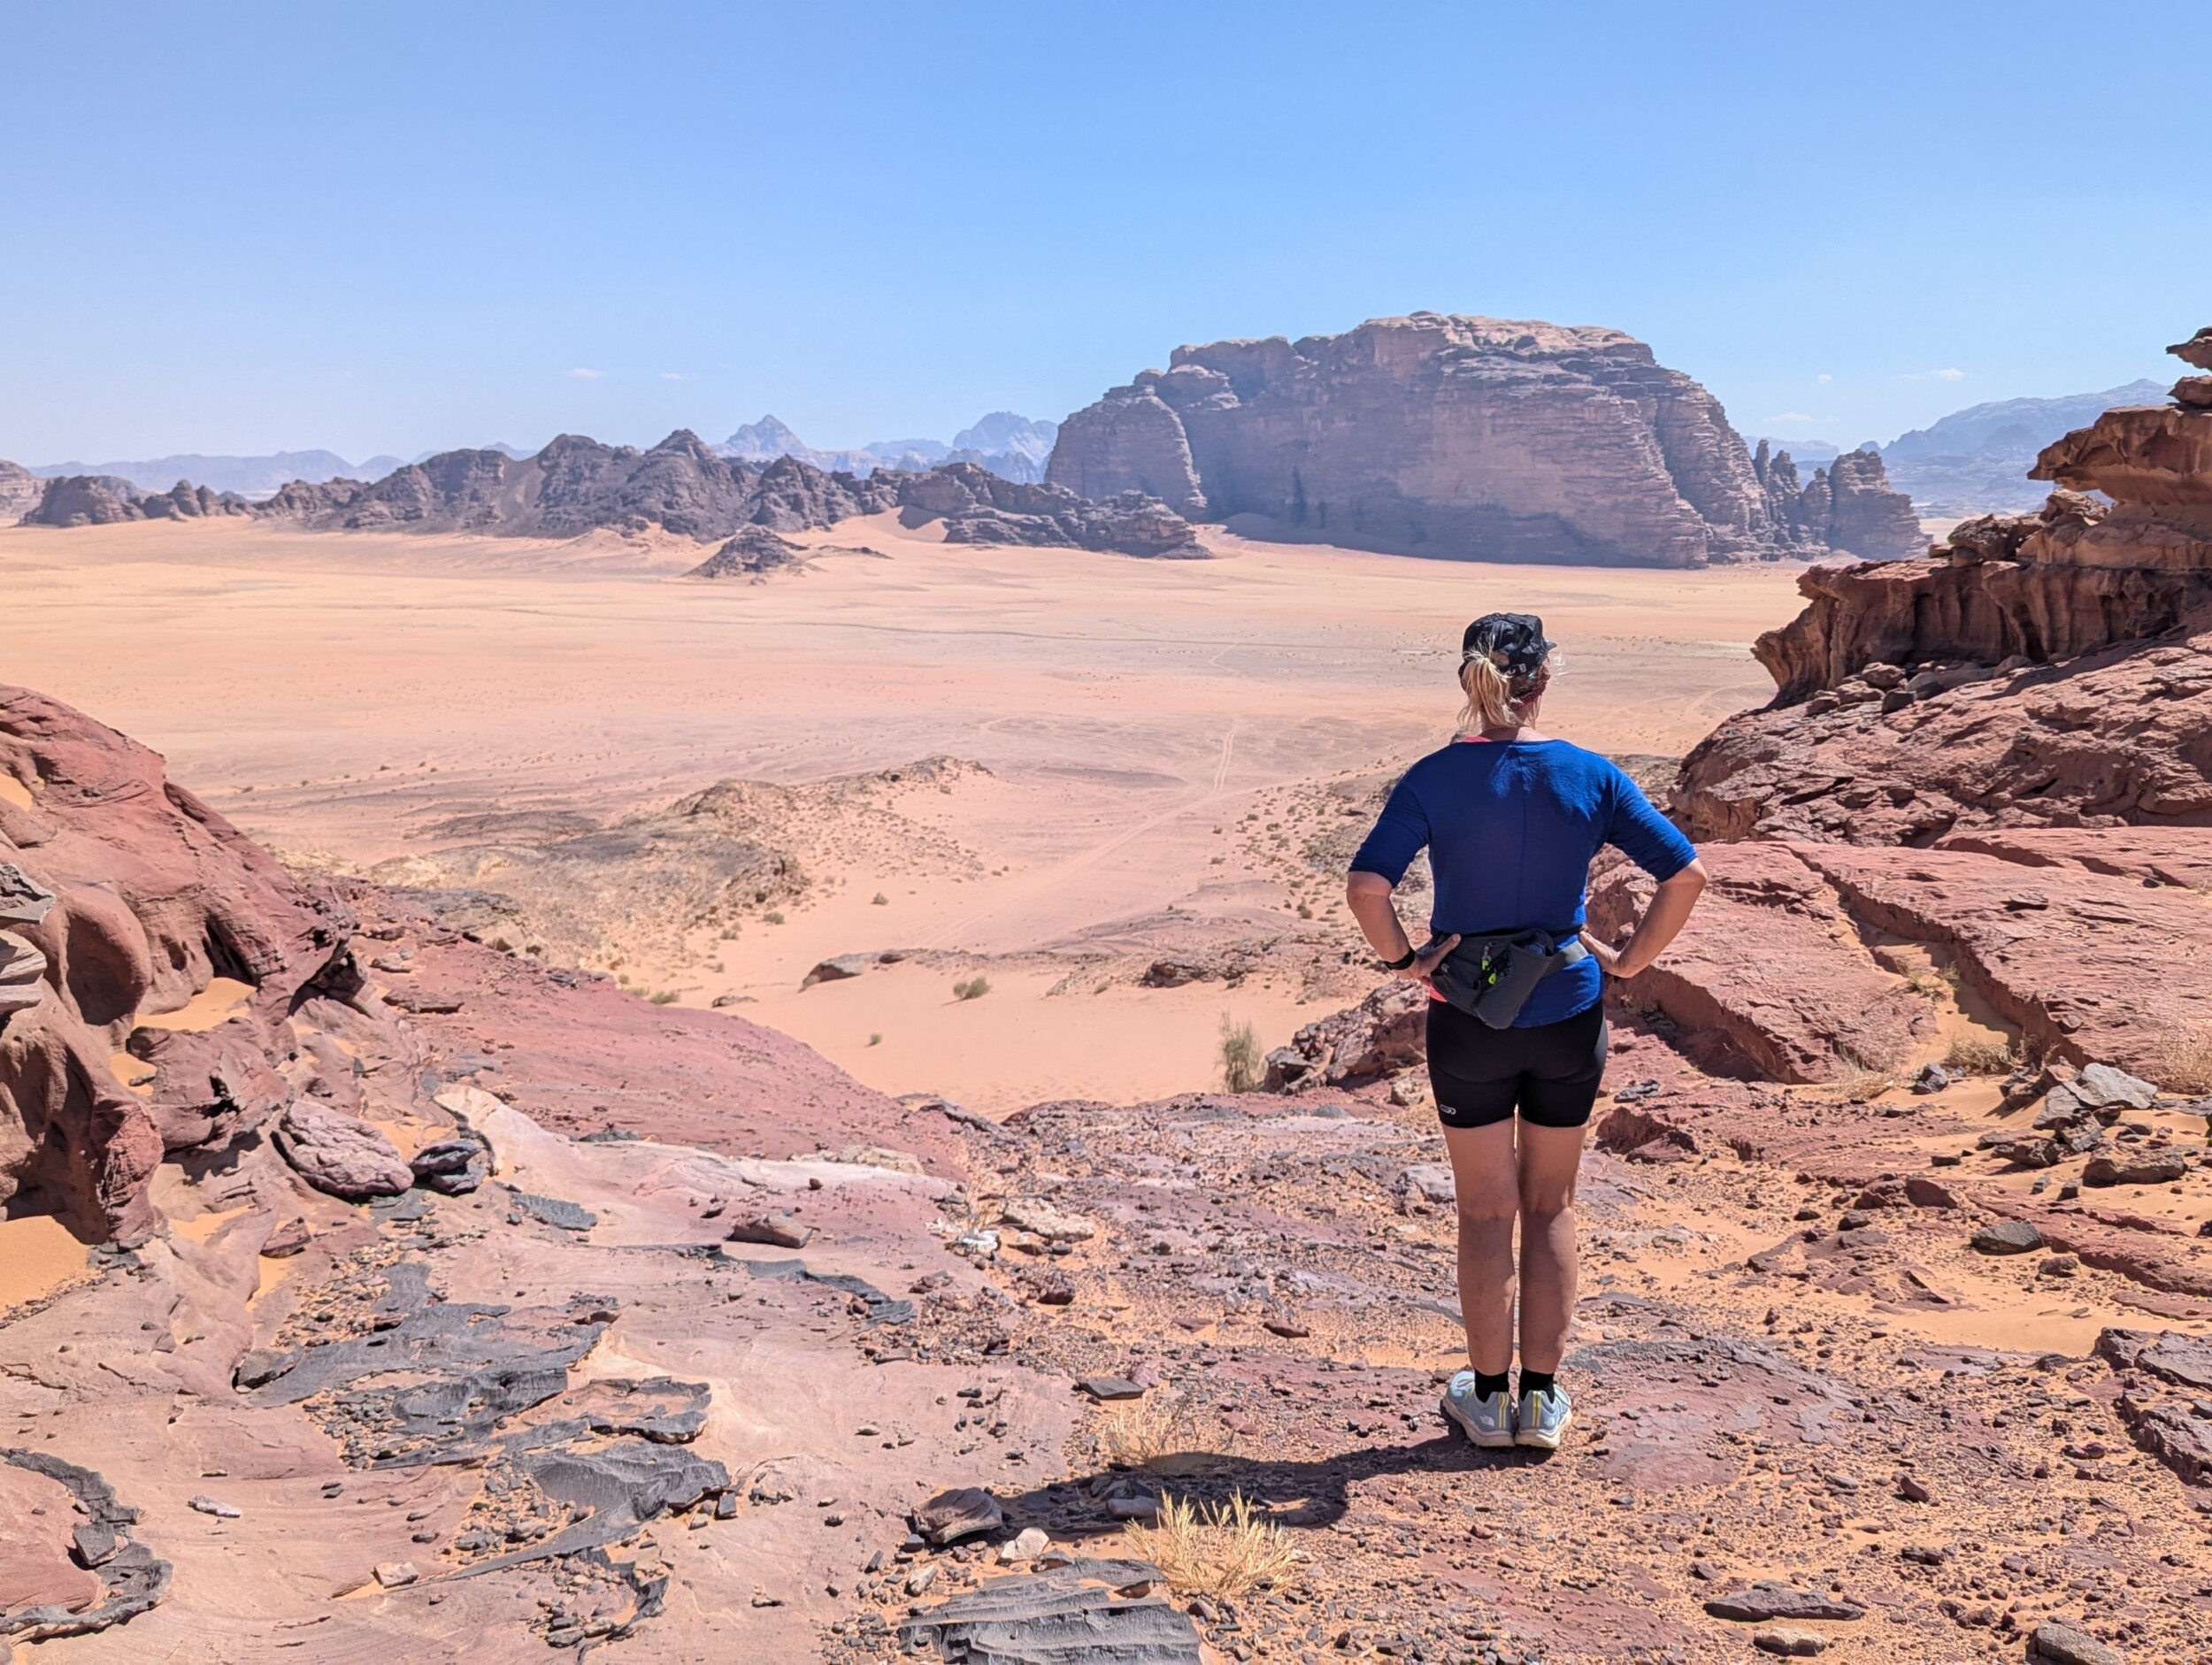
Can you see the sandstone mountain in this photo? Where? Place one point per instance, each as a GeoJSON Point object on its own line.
{"type": "Point", "coordinates": [684, 487]}
{"type": "Point", "coordinates": [2043, 670]}
{"type": "Point", "coordinates": [100, 499]}
{"type": "Point", "coordinates": [1466, 438]}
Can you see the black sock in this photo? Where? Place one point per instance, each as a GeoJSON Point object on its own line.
{"type": "Point", "coordinates": [1486, 1384]}
{"type": "Point", "coordinates": [1532, 1381]}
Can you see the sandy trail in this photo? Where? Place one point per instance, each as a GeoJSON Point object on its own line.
{"type": "Point", "coordinates": [349, 694]}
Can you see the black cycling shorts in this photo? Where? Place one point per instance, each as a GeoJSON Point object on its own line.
{"type": "Point", "coordinates": [1550, 1073]}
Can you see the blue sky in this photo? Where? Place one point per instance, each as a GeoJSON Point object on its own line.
{"type": "Point", "coordinates": [387, 228]}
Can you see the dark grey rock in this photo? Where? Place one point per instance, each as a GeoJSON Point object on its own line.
{"type": "Point", "coordinates": [2007, 1236]}
{"type": "Point", "coordinates": [1056, 1618]}
{"type": "Point", "coordinates": [1763, 1601]}
{"type": "Point", "coordinates": [553, 1212]}
{"type": "Point", "coordinates": [134, 1580]}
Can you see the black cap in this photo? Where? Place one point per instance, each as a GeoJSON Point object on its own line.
{"type": "Point", "coordinates": [1514, 642]}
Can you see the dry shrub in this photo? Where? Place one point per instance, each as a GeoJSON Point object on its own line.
{"type": "Point", "coordinates": [1980, 1055]}
{"type": "Point", "coordinates": [974, 989]}
{"type": "Point", "coordinates": [1159, 1426]}
{"type": "Point", "coordinates": [2186, 1066]}
{"type": "Point", "coordinates": [1219, 1550]}
{"type": "Point", "coordinates": [1241, 1067]}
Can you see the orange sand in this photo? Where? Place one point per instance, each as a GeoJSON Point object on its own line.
{"type": "Point", "coordinates": [38, 1256]}
{"type": "Point", "coordinates": [373, 686]}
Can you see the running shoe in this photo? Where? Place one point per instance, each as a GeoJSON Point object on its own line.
{"type": "Point", "coordinates": [1485, 1421]}
{"type": "Point", "coordinates": [1543, 1419]}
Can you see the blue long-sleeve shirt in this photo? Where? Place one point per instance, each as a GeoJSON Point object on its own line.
{"type": "Point", "coordinates": [1510, 828]}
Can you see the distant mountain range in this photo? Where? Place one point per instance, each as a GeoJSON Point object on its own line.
{"type": "Point", "coordinates": [249, 476]}
{"type": "Point", "coordinates": [1976, 461]}
{"type": "Point", "coordinates": [1012, 447]}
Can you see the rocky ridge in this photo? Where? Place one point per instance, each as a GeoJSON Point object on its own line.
{"type": "Point", "coordinates": [682, 487]}
{"type": "Point", "coordinates": [2043, 669]}
{"type": "Point", "coordinates": [1468, 438]}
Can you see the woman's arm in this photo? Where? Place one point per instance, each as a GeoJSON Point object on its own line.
{"type": "Point", "coordinates": [1662, 923]}
{"type": "Point", "coordinates": [1368, 896]}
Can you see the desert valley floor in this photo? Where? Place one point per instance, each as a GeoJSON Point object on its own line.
{"type": "Point", "coordinates": [364, 700]}
{"type": "Point", "coordinates": [893, 1347]}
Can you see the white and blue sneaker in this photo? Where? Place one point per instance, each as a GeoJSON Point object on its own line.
{"type": "Point", "coordinates": [1543, 1419]}
{"type": "Point", "coordinates": [1487, 1420]}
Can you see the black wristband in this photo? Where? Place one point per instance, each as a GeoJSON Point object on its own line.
{"type": "Point", "coordinates": [1402, 961]}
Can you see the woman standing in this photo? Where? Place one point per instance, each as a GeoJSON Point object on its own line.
{"type": "Point", "coordinates": [1516, 1033]}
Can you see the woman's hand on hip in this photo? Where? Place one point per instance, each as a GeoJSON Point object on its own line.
{"type": "Point", "coordinates": [1606, 954]}
{"type": "Point", "coordinates": [1428, 959]}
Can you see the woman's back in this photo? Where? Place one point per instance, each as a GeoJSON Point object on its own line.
{"type": "Point", "coordinates": [1510, 827]}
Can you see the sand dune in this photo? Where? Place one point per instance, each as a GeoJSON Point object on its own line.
{"type": "Point", "coordinates": [358, 695]}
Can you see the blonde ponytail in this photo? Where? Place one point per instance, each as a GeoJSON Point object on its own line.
{"type": "Point", "coordinates": [1494, 700]}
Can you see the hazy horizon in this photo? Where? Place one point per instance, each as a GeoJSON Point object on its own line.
{"type": "Point", "coordinates": [418, 229]}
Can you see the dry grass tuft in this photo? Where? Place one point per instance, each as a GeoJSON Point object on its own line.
{"type": "Point", "coordinates": [974, 989]}
{"type": "Point", "coordinates": [2186, 1066]}
{"type": "Point", "coordinates": [1159, 1426]}
{"type": "Point", "coordinates": [1242, 1068]}
{"type": "Point", "coordinates": [1980, 1055]}
{"type": "Point", "coordinates": [1222, 1550]}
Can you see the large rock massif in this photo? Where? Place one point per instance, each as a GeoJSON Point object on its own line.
{"type": "Point", "coordinates": [1468, 438]}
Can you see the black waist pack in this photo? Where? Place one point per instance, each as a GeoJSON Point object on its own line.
{"type": "Point", "coordinates": [1491, 977]}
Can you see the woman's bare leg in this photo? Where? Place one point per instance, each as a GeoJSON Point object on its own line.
{"type": "Point", "coordinates": [1488, 1185]}
{"type": "Point", "coordinates": [1550, 1162]}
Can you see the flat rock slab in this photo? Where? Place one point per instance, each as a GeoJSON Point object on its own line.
{"type": "Point", "coordinates": [960, 1513]}
{"type": "Point", "coordinates": [553, 1211]}
{"type": "Point", "coordinates": [1104, 1387]}
{"type": "Point", "coordinates": [1763, 1601]}
{"type": "Point", "coordinates": [1057, 1618]}
{"type": "Point", "coordinates": [2065, 963]}
{"type": "Point", "coordinates": [2170, 1356]}
{"type": "Point", "coordinates": [2056, 1644]}
{"type": "Point", "coordinates": [1668, 1402]}
{"type": "Point", "coordinates": [881, 1308]}
{"type": "Point", "coordinates": [1769, 971]}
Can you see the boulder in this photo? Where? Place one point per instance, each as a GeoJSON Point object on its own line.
{"type": "Point", "coordinates": [339, 1154]}
{"type": "Point", "coordinates": [2054, 1643]}
{"type": "Point", "coordinates": [960, 1513]}
{"type": "Point", "coordinates": [2007, 1236]}
{"type": "Point", "coordinates": [1037, 1216]}
{"type": "Point", "coordinates": [1385, 1032]}
{"type": "Point", "coordinates": [779, 1229]}
{"type": "Point", "coordinates": [210, 1086]}
{"type": "Point", "coordinates": [2133, 1170]}
{"type": "Point", "coordinates": [1763, 1601]}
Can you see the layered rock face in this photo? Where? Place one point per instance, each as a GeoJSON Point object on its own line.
{"type": "Point", "coordinates": [2052, 668]}
{"type": "Point", "coordinates": [135, 898]}
{"type": "Point", "coordinates": [1465, 438]}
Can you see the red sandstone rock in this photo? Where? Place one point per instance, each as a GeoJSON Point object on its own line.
{"type": "Point", "coordinates": [2122, 736]}
{"type": "Point", "coordinates": [2093, 968]}
{"type": "Point", "coordinates": [157, 896]}
{"type": "Point", "coordinates": [1768, 971]}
